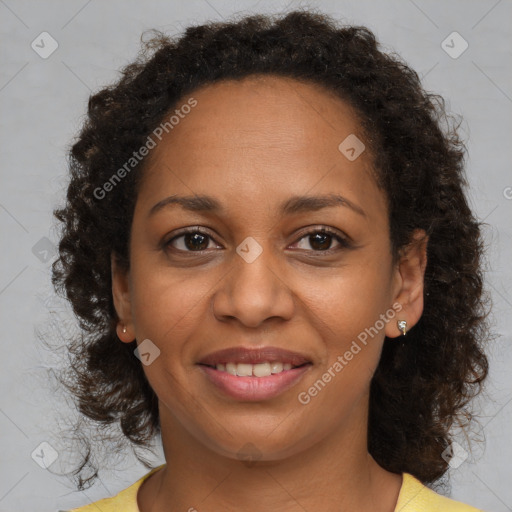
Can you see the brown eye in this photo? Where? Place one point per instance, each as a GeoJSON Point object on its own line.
{"type": "Point", "coordinates": [321, 240]}
{"type": "Point", "coordinates": [190, 241]}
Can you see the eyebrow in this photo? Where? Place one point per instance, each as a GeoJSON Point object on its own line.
{"type": "Point", "coordinates": [294, 205]}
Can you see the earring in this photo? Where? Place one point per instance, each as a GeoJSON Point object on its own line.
{"type": "Point", "coordinates": [124, 329]}
{"type": "Point", "coordinates": [402, 326]}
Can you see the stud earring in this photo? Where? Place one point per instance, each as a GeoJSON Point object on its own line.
{"type": "Point", "coordinates": [402, 326]}
{"type": "Point", "coordinates": [124, 329]}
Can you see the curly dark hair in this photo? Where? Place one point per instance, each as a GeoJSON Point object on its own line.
{"type": "Point", "coordinates": [421, 388]}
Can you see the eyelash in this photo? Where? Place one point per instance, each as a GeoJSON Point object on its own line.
{"type": "Point", "coordinates": [344, 242]}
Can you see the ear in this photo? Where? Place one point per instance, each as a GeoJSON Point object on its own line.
{"type": "Point", "coordinates": [121, 296]}
{"type": "Point", "coordinates": [409, 283]}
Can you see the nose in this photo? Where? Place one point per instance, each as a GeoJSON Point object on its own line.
{"type": "Point", "coordinates": [254, 290]}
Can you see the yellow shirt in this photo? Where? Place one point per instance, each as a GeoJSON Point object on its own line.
{"type": "Point", "coordinates": [413, 497]}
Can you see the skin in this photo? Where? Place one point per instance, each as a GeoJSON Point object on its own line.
{"type": "Point", "coordinates": [253, 144]}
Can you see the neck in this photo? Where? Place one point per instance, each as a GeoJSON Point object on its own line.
{"type": "Point", "coordinates": [335, 474]}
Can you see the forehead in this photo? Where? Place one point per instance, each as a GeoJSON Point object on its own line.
{"type": "Point", "coordinates": [266, 109]}
{"type": "Point", "coordinates": [263, 136]}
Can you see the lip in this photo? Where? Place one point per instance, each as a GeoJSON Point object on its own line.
{"type": "Point", "coordinates": [254, 356]}
{"type": "Point", "coordinates": [254, 389]}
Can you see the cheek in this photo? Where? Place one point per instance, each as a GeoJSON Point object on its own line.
{"type": "Point", "coordinates": [167, 303]}
{"type": "Point", "coordinates": [350, 313]}
{"type": "Point", "coordinates": [348, 303]}
{"type": "Point", "coordinates": [351, 348]}
{"type": "Point", "coordinates": [168, 309]}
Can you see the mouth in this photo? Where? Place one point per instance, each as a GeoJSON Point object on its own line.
{"type": "Point", "coordinates": [254, 374]}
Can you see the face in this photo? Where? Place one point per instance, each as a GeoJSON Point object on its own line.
{"type": "Point", "coordinates": [274, 279]}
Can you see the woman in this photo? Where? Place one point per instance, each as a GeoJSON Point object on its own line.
{"type": "Point", "coordinates": [267, 243]}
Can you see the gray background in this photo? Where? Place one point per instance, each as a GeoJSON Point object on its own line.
{"type": "Point", "coordinates": [42, 104]}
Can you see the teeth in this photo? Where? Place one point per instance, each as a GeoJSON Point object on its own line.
{"type": "Point", "coordinates": [254, 370]}
{"type": "Point", "coordinates": [244, 370]}
{"type": "Point", "coordinates": [230, 368]}
{"type": "Point", "coordinates": [276, 367]}
{"type": "Point", "coordinates": [261, 370]}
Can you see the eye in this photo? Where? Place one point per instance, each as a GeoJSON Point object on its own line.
{"type": "Point", "coordinates": [196, 240]}
{"type": "Point", "coordinates": [320, 240]}
{"type": "Point", "coordinates": [193, 240]}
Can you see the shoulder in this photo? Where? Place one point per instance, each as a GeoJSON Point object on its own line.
{"type": "Point", "coordinates": [416, 497]}
{"type": "Point", "coordinates": [125, 500]}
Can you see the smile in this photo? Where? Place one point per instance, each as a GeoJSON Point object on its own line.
{"type": "Point", "coordinates": [254, 382]}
